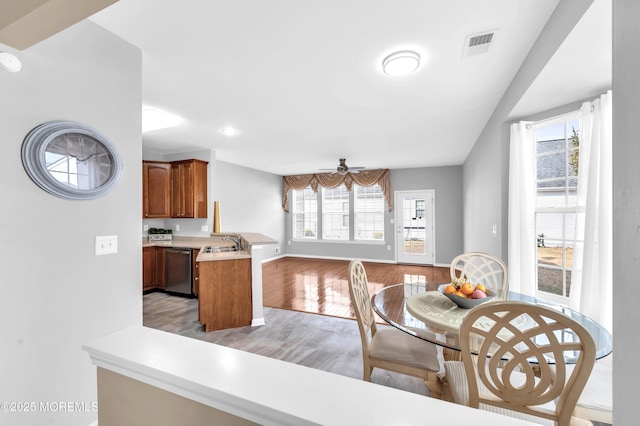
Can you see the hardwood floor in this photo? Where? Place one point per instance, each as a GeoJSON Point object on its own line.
{"type": "Point", "coordinates": [320, 286]}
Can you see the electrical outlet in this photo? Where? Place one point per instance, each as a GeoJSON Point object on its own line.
{"type": "Point", "coordinates": [204, 228]}
{"type": "Point", "coordinates": [277, 250]}
{"type": "Point", "coordinates": [177, 228]}
{"type": "Point", "coordinates": [106, 245]}
{"type": "Point", "coordinates": [145, 228]}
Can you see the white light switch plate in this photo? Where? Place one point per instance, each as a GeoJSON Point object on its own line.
{"type": "Point", "coordinates": [106, 245]}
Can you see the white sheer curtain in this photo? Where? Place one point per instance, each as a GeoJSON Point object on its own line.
{"type": "Point", "coordinates": [522, 192]}
{"type": "Point", "coordinates": [592, 270]}
{"type": "Point", "coordinates": [592, 274]}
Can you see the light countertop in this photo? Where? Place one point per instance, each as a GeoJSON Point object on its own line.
{"type": "Point", "coordinates": [249, 239]}
{"type": "Point", "coordinates": [265, 390]}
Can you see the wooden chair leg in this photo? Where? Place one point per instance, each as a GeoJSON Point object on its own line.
{"type": "Point", "coordinates": [434, 384]}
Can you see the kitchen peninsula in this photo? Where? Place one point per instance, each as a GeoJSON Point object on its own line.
{"type": "Point", "coordinates": [227, 276]}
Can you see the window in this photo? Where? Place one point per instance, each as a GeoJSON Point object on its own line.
{"type": "Point", "coordinates": [335, 207]}
{"type": "Point", "coordinates": [356, 215]}
{"type": "Point", "coordinates": [419, 209]}
{"type": "Point", "coordinates": [557, 147]}
{"type": "Point", "coordinates": [368, 212]}
{"type": "Point", "coordinates": [305, 214]}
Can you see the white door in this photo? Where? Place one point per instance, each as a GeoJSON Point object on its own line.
{"type": "Point", "coordinates": [414, 227]}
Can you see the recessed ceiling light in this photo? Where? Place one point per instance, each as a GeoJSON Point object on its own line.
{"type": "Point", "coordinates": [401, 63]}
{"type": "Point", "coordinates": [229, 131]}
{"type": "Point", "coordinates": [10, 62]}
{"type": "Point", "coordinates": [156, 119]}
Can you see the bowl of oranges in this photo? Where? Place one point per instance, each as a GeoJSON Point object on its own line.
{"type": "Point", "coordinates": [464, 294]}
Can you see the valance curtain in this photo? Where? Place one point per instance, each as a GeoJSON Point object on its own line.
{"type": "Point", "coordinates": [333, 180]}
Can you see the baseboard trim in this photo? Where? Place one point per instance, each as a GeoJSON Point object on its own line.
{"type": "Point", "coordinates": [256, 322]}
{"type": "Point", "coordinates": [391, 262]}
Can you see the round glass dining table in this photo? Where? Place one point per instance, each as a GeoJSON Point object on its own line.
{"type": "Point", "coordinates": [421, 310]}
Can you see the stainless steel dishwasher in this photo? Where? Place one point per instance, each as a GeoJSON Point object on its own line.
{"type": "Point", "coordinates": [178, 271]}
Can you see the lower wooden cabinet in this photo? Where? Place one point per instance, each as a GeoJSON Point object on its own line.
{"type": "Point", "coordinates": [153, 273]}
{"type": "Point", "coordinates": [160, 273]}
{"type": "Point", "coordinates": [148, 268]}
{"type": "Point", "coordinates": [224, 300]}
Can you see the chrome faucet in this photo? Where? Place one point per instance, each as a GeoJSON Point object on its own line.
{"type": "Point", "coordinates": [236, 240]}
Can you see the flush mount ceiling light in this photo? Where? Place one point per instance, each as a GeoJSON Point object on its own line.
{"type": "Point", "coordinates": [229, 131]}
{"type": "Point", "coordinates": [401, 63]}
{"type": "Point", "coordinates": [156, 119]}
{"type": "Point", "coordinates": [10, 62]}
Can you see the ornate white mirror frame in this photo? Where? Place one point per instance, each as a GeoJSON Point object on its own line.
{"type": "Point", "coordinates": [71, 160]}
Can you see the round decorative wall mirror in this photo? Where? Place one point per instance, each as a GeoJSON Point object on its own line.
{"type": "Point", "coordinates": [71, 160]}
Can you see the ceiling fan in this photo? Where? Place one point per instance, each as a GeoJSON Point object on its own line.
{"type": "Point", "coordinates": [342, 168]}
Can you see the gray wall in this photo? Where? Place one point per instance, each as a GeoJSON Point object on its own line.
{"type": "Point", "coordinates": [486, 169]}
{"type": "Point", "coordinates": [250, 201]}
{"type": "Point", "coordinates": [447, 183]}
{"type": "Point", "coordinates": [56, 294]}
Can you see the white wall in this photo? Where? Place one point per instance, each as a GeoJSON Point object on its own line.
{"type": "Point", "coordinates": [626, 209]}
{"type": "Point", "coordinates": [55, 294]}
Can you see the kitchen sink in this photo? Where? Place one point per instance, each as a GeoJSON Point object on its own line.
{"type": "Point", "coordinates": [219, 249]}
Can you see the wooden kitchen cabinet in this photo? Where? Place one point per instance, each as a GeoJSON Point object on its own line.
{"type": "Point", "coordinates": [195, 271]}
{"type": "Point", "coordinates": [189, 189]}
{"type": "Point", "coordinates": [159, 272]}
{"type": "Point", "coordinates": [153, 264]}
{"type": "Point", "coordinates": [225, 294]}
{"type": "Point", "coordinates": [156, 187]}
{"type": "Point", "coordinates": [148, 268]}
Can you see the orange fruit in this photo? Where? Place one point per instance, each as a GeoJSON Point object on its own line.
{"type": "Point", "coordinates": [450, 289]}
{"type": "Point", "coordinates": [467, 289]}
{"type": "Point", "coordinates": [459, 293]}
{"type": "Point", "coordinates": [481, 287]}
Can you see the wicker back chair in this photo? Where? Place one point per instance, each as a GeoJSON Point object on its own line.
{"type": "Point", "coordinates": [482, 268]}
{"type": "Point", "coordinates": [386, 347]}
{"type": "Point", "coordinates": [500, 341]}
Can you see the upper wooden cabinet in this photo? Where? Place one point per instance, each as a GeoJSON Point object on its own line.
{"type": "Point", "coordinates": [156, 187]}
{"type": "Point", "coordinates": [174, 189]}
{"type": "Point", "coordinates": [189, 189]}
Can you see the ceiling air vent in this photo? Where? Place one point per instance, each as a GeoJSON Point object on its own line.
{"type": "Point", "coordinates": [477, 43]}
